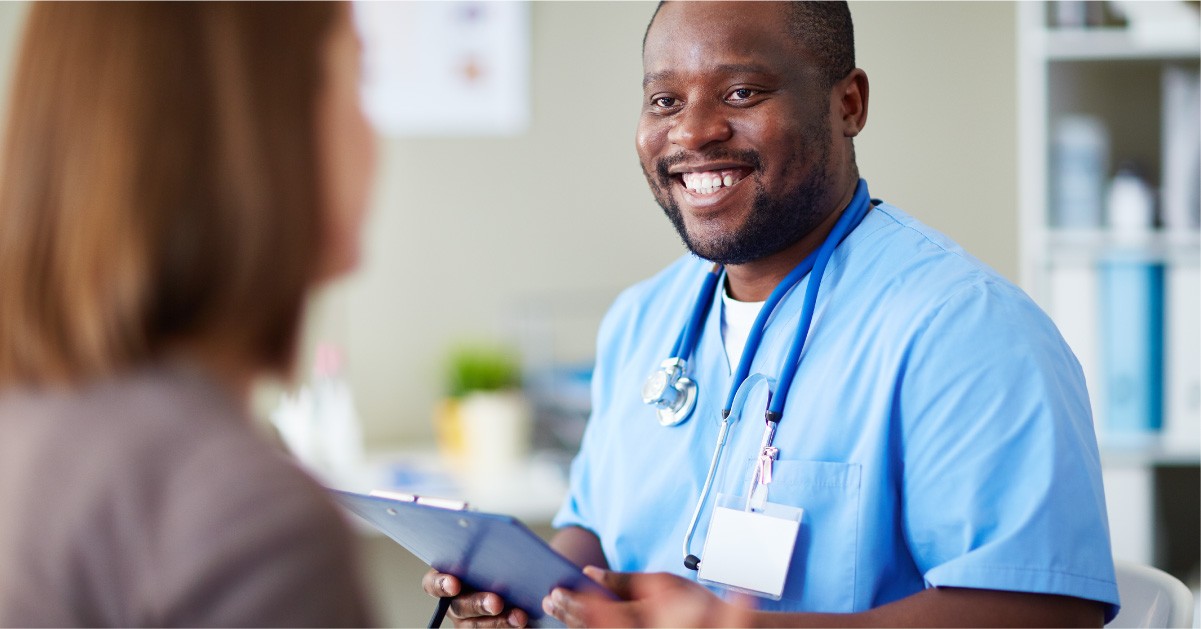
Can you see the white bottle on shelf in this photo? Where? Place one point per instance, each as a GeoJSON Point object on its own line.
{"type": "Point", "coordinates": [1129, 204]}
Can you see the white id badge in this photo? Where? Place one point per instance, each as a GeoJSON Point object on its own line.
{"type": "Point", "coordinates": [750, 551]}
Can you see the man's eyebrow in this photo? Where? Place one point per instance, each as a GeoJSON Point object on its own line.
{"type": "Point", "coordinates": [728, 68]}
{"type": "Point", "coordinates": [651, 77]}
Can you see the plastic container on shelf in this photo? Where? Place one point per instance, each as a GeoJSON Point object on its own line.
{"type": "Point", "coordinates": [1181, 148]}
{"type": "Point", "coordinates": [1080, 156]}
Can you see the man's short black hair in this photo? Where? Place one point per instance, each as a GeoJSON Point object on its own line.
{"type": "Point", "coordinates": [823, 28]}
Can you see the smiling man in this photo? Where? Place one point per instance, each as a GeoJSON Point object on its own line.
{"type": "Point", "coordinates": [915, 446]}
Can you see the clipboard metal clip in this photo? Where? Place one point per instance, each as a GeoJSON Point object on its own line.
{"type": "Point", "coordinates": [449, 504]}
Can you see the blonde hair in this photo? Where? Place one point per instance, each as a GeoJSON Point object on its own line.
{"type": "Point", "coordinates": [159, 184]}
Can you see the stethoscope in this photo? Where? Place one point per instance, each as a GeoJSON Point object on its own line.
{"type": "Point", "coordinates": [674, 394]}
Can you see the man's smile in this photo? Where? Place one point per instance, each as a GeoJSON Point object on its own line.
{"type": "Point", "coordinates": [707, 181]}
{"type": "Point", "coordinates": [710, 181]}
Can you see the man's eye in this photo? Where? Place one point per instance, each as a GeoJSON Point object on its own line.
{"type": "Point", "coordinates": [742, 93]}
{"type": "Point", "coordinates": [666, 102]}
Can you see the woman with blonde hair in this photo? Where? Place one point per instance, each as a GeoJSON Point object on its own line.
{"type": "Point", "coordinates": [176, 179]}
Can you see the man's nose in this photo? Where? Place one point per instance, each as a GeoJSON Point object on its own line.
{"type": "Point", "coordinates": [698, 125]}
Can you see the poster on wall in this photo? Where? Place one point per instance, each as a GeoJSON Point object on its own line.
{"type": "Point", "coordinates": [446, 68]}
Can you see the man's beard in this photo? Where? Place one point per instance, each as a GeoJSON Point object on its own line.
{"type": "Point", "coordinates": [773, 224]}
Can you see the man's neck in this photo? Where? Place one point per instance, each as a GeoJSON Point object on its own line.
{"type": "Point", "coordinates": [755, 280]}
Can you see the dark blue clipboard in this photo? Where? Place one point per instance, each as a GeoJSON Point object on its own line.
{"type": "Point", "coordinates": [486, 551]}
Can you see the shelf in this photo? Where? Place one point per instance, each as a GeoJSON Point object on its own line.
{"type": "Point", "coordinates": [1075, 246]}
{"type": "Point", "coordinates": [1109, 44]}
{"type": "Point", "coordinates": [1148, 450]}
{"type": "Point", "coordinates": [1116, 74]}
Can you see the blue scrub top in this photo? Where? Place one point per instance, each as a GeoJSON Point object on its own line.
{"type": "Point", "coordinates": [938, 432]}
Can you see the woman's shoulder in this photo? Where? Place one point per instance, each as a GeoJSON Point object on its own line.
{"type": "Point", "coordinates": [197, 518]}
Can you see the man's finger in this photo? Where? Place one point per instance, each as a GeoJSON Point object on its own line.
{"type": "Point", "coordinates": [440, 585]}
{"type": "Point", "coordinates": [476, 605]}
{"type": "Point", "coordinates": [517, 618]}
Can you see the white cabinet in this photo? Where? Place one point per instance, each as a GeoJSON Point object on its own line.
{"type": "Point", "coordinates": [1126, 80]}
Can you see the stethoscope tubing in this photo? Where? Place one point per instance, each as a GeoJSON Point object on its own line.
{"type": "Point", "coordinates": [707, 488]}
{"type": "Point", "coordinates": [841, 229]}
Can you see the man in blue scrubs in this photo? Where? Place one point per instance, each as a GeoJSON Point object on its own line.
{"type": "Point", "coordinates": [937, 433]}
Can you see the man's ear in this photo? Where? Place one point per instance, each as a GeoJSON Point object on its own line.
{"type": "Point", "coordinates": [850, 102]}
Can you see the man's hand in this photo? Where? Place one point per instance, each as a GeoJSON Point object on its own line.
{"type": "Point", "coordinates": [666, 600]}
{"type": "Point", "coordinates": [472, 609]}
{"type": "Point", "coordinates": [648, 600]}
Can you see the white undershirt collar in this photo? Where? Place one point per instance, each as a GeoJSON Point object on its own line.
{"type": "Point", "coordinates": [737, 318]}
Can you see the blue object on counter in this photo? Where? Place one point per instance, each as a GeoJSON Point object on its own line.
{"type": "Point", "coordinates": [419, 478]}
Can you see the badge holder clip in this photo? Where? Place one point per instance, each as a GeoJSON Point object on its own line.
{"type": "Point", "coordinates": [751, 540]}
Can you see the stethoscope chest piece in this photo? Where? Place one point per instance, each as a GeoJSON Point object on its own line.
{"type": "Point", "coordinates": [671, 392]}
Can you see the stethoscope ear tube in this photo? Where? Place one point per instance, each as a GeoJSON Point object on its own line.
{"type": "Point", "coordinates": [728, 418]}
{"type": "Point", "coordinates": [692, 562]}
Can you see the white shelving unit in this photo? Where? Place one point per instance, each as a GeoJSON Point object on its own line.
{"type": "Point", "coordinates": [1115, 75]}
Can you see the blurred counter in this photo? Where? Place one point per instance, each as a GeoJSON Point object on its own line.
{"type": "Point", "coordinates": [530, 491]}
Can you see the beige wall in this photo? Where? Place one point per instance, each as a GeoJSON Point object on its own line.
{"type": "Point", "coordinates": [465, 233]}
{"type": "Point", "coordinates": [941, 139]}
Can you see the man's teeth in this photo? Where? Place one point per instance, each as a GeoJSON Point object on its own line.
{"type": "Point", "coordinates": [710, 181]}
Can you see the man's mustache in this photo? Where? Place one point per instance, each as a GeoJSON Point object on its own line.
{"type": "Point", "coordinates": [748, 157]}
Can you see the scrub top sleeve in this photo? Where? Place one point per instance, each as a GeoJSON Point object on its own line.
{"type": "Point", "coordinates": [577, 507]}
{"type": "Point", "coordinates": [1001, 474]}
{"type": "Point", "coordinates": [575, 504]}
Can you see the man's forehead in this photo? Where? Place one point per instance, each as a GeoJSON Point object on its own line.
{"type": "Point", "coordinates": [709, 37]}
{"type": "Point", "coordinates": [739, 36]}
{"type": "Point", "coordinates": [708, 9]}
{"type": "Point", "coordinates": [744, 18]}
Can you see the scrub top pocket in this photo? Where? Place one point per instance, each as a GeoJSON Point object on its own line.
{"type": "Point", "coordinates": [829, 535]}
